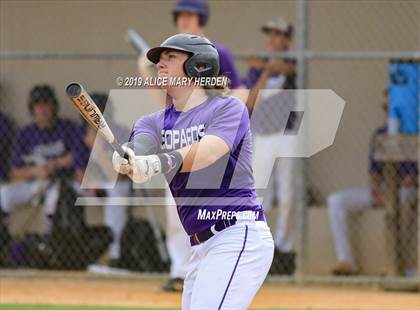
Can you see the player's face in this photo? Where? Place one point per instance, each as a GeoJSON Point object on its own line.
{"type": "Point", "coordinates": [43, 113]}
{"type": "Point", "coordinates": [276, 41]}
{"type": "Point", "coordinates": [188, 22]}
{"type": "Point", "coordinates": [171, 64]}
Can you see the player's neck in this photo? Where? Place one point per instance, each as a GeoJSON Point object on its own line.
{"type": "Point", "coordinates": [189, 99]}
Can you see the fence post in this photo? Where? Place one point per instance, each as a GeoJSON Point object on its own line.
{"type": "Point", "coordinates": [301, 46]}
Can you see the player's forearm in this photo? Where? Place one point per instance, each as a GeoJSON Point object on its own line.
{"type": "Point", "coordinates": [286, 68]}
{"type": "Point", "coordinates": [64, 161]}
{"type": "Point", "coordinates": [187, 159]}
{"type": "Point", "coordinates": [24, 173]}
{"type": "Point", "coordinates": [253, 94]}
{"type": "Point", "coordinates": [203, 154]}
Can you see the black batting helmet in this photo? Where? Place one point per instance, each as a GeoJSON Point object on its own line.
{"type": "Point", "coordinates": [204, 59]}
{"type": "Point", "coordinates": [42, 93]}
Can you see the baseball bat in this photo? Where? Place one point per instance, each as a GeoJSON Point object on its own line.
{"type": "Point", "coordinates": [137, 41]}
{"type": "Point", "coordinates": [91, 113]}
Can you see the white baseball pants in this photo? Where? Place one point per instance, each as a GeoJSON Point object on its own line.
{"type": "Point", "coordinates": [13, 195]}
{"type": "Point", "coordinates": [341, 204]}
{"type": "Point", "coordinates": [227, 270]}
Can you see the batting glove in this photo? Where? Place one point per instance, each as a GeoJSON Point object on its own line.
{"type": "Point", "coordinates": [120, 164]}
{"type": "Point", "coordinates": [145, 167]}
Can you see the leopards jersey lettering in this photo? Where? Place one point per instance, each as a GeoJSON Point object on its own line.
{"type": "Point", "coordinates": [173, 139]}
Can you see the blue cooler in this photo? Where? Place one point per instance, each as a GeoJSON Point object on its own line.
{"type": "Point", "coordinates": [404, 80]}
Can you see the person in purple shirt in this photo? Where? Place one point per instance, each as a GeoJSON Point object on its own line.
{"type": "Point", "coordinates": [344, 202]}
{"type": "Point", "coordinates": [95, 172]}
{"type": "Point", "coordinates": [191, 16]}
{"type": "Point", "coordinates": [201, 142]}
{"type": "Point", "coordinates": [42, 151]}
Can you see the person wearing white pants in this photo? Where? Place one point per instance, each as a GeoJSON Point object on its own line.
{"type": "Point", "coordinates": [201, 141]}
{"type": "Point", "coordinates": [42, 152]}
{"type": "Point", "coordinates": [342, 203]}
{"type": "Point", "coordinates": [282, 184]}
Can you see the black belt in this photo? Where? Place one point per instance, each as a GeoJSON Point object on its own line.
{"type": "Point", "coordinates": [206, 234]}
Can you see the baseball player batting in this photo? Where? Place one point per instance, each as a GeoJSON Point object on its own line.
{"type": "Point", "coordinates": [199, 138]}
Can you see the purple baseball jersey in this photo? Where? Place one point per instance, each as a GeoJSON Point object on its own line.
{"type": "Point", "coordinates": [227, 66]}
{"type": "Point", "coordinates": [33, 145]}
{"type": "Point", "coordinates": [225, 186]}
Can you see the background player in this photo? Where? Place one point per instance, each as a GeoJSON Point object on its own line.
{"type": "Point", "coordinates": [93, 168]}
{"type": "Point", "coordinates": [342, 203]}
{"type": "Point", "coordinates": [43, 151]}
{"type": "Point", "coordinates": [230, 256]}
{"type": "Point", "coordinates": [270, 116]}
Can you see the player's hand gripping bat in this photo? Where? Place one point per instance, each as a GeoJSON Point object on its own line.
{"type": "Point", "coordinates": [91, 113]}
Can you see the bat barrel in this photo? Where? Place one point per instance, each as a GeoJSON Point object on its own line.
{"type": "Point", "coordinates": [74, 90]}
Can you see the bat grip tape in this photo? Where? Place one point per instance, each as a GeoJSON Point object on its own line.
{"type": "Point", "coordinates": [119, 149]}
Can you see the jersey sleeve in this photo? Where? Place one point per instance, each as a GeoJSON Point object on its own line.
{"type": "Point", "coordinates": [252, 77]}
{"type": "Point", "coordinates": [147, 126]}
{"type": "Point", "coordinates": [230, 123]}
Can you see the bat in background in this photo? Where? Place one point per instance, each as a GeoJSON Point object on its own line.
{"type": "Point", "coordinates": [91, 113]}
{"type": "Point", "coordinates": [135, 39]}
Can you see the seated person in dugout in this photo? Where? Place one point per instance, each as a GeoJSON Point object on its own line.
{"type": "Point", "coordinates": [342, 203]}
{"type": "Point", "coordinates": [42, 153]}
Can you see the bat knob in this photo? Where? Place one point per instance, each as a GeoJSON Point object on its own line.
{"type": "Point", "coordinates": [73, 90]}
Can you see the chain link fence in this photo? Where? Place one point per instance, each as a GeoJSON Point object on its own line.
{"type": "Point", "coordinates": [351, 209]}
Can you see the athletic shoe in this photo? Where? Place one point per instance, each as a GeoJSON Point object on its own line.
{"type": "Point", "coordinates": [174, 285]}
{"type": "Point", "coordinates": [344, 269]}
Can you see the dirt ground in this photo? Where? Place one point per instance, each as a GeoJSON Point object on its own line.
{"type": "Point", "coordinates": [146, 293]}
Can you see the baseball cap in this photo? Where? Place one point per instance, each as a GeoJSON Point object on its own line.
{"type": "Point", "coordinates": [278, 24]}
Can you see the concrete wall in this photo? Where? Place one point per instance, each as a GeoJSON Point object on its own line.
{"type": "Point", "coordinates": [100, 26]}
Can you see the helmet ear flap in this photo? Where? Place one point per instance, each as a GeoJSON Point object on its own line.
{"type": "Point", "coordinates": [201, 65]}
